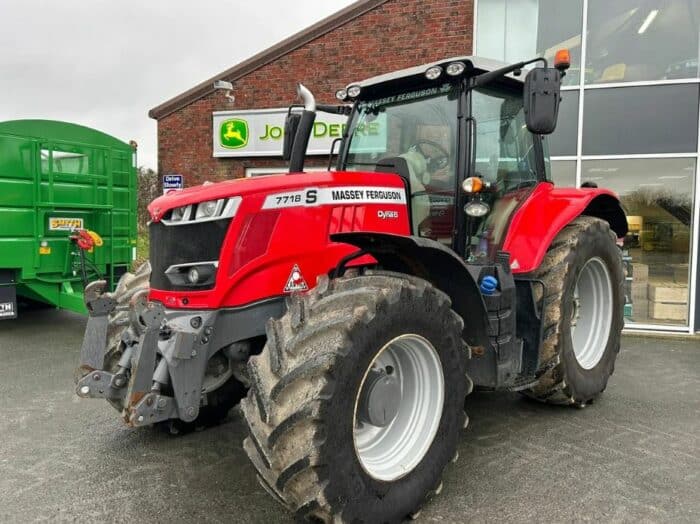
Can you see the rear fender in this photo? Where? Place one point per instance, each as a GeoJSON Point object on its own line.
{"type": "Point", "coordinates": [435, 263]}
{"type": "Point", "coordinates": [547, 211]}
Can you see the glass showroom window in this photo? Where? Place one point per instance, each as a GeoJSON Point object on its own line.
{"type": "Point", "coordinates": [658, 198]}
{"type": "Point", "coordinates": [563, 141]}
{"type": "Point", "coordinates": [513, 30]}
{"type": "Point", "coordinates": [641, 120]}
{"type": "Point", "coordinates": [637, 40]}
{"type": "Point", "coordinates": [563, 173]}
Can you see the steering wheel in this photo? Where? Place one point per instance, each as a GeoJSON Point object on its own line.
{"type": "Point", "coordinates": [435, 163]}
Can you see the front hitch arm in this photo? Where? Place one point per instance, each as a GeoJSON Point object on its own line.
{"type": "Point", "coordinates": [99, 306]}
{"type": "Point", "coordinates": [147, 317]}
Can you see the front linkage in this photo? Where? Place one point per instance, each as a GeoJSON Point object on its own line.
{"type": "Point", "coordinates": [163, 361]}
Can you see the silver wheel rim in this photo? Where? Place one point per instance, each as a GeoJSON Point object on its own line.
{"type": "Point", "coordinates": [390, 452]}
{"type": "Point", "coordinates": [592, 313]}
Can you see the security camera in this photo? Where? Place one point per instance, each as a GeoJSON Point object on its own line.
{"type": "Point", "coordinates": [225, 86]}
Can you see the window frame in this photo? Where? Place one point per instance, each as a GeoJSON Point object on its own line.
{"type": "Point", "coordinates": [694, 291]}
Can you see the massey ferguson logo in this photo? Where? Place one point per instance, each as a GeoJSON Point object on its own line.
{"type": "Point", "coordinates": [387, 214]}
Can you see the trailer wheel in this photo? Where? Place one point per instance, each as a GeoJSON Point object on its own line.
{"type": "Point", "coordinates": [582, 313]}
{"type": "Point", "coordinates": [356, 401]}
{"type": "Point", "coordinates": [219, 401]}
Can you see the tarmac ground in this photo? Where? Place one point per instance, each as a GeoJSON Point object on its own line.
{"type": "Point", "coordinates": [632, 456]}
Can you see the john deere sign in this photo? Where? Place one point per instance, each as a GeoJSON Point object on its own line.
{"type": "Point", "coordinates": [233, 133]}
{"type": "Point", "coordinates": [260, 133]}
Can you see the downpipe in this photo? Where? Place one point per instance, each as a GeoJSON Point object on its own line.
{"type": "Point", "coordinates": [306, 124]}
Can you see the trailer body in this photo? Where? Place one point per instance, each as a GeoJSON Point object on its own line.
{"type": "Point", "coordinates": [56, 178]}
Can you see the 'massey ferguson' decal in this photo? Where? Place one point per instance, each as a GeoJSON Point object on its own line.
{"type": "Point", "coordinates": [336, 195]}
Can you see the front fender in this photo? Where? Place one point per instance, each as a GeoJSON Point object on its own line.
{"type": "Point", "coordinates": [435, 263]}
{"type": "Point", "coordinates": [547, 211]}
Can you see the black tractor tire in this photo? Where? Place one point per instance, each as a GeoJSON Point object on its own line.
{"type": "Point", "coordinates": [563, 380]}
{"type": "Point", "coordinates": [219, 402]}
{"type": "Point", "coordinates": [301, 406]}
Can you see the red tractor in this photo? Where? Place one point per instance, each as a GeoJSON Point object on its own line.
{"type": "Point", "coordinates": [350, 312]}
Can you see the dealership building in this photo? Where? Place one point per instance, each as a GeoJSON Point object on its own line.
{"type": "Point", "coordinates": [629, 118]}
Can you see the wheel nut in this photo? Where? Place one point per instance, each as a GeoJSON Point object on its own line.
{"type": "Point", "coordinates": [85, 390]}
{"type": "Point", "coordinates": [161, 402]}
{"type": "Point", "coordinates": [95, 376]}
{"type": "Point", "coordinates": [190, 411]}
{"type": "Point", "coordinates": [195, 322]}
{"type": "Point", "coordinates": [208, 330]}
{"type": "Point", "coordinates": [194, 353]}
{"type": "Point", "coordinates": [205, 340]}
{"type": "Point", "coordinates": [140, 419]}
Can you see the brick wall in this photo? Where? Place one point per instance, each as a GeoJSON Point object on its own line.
{"type": "Point", "coordinates": [395, 35]}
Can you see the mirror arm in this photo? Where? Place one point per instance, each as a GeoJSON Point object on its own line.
{"type": "Point", "coordinates": [490, 76]}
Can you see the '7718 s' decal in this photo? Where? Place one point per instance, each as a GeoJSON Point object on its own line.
{"type": "Point", "coordinates": [317, 196]}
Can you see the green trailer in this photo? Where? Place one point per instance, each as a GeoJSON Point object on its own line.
{"type": "Point", "coordinates": [57, 179]}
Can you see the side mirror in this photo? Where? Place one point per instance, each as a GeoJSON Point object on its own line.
{"type": "Point", "coordinates": [291, 124]}
{"type": "Point", "coordinates": [541, 96]}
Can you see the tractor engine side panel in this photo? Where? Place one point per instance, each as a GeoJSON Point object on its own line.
{"type": "Point", "coordinates": [279, 241]}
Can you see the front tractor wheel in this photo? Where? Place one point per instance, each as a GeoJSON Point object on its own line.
{"type": "Point", "coordinates": [356, 402]}
{"type": "Point", "coordinates": [583, 313]}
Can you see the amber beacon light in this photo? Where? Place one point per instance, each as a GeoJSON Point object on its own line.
{"type": "Point", "coordinates": [562, 60]}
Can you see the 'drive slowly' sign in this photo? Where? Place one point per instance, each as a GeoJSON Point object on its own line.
{"type": "Point", "coordinates": [172, 183]}
{"type": "Point", "coordinates": [260, 132]}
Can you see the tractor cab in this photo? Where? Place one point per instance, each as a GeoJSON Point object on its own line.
{"type": "Point", "coordinates": [465, 134]}
{"type": "Point", "coordinates": [460, 136]}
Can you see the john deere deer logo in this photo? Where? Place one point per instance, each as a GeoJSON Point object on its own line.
{"type": "Point", "coordinates": [233, 133]}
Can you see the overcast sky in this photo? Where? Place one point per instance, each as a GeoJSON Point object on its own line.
{"type": "Point", "coordinates": [105, 63]}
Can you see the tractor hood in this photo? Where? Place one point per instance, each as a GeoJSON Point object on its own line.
{"type": "Point", "coordinates": [270, 184]}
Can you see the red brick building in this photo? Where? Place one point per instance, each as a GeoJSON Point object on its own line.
{"type": "Point", "coordinates": [367, 38]}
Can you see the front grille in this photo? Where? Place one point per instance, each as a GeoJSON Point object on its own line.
{"type": "Point", "coordinates": [170, 245]}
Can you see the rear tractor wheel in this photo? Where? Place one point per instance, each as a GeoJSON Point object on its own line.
{"type": "Point", "coordinates": [583, 313]}
{"type": "Point", "coordinates": [356, 402]}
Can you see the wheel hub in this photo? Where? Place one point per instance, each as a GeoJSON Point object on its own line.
{"type": "Point", "coordinates": [398, 407]}
{"type": "Point", "coordinates": [380, 398]}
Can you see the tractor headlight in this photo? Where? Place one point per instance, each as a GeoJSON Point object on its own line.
{"type": "Point", "coordinates": [209, 209]}
{"type": "Point", "coordinates": [354, 91]}
{"type": "Point", "coordinates": [476, 208]}
{"type": "Point", "coordinates": [180, 213]}
{"type": "Point", "coordinates": [204, 212]}
{"type": "Point", "coordinates": [195, 274]}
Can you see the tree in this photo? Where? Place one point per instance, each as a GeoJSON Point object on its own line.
{"type": "Point", "coordinates": [149, 189]}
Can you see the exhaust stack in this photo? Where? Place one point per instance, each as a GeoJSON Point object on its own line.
{"type": "Point", "coordinates": [303, 132]}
